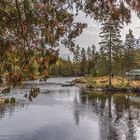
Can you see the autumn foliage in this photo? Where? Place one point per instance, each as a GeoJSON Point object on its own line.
{"type": "Point", "coordinates": [29, 29]}
{"type": "Point", "coordinates": [30, 33]}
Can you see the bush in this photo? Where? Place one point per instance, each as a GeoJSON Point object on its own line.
{"type": "Point", "coordinates": [7, 101]}
{"type": "Point", "coordinates": [13, 100]}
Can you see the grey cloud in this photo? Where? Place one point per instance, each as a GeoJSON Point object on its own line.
{"type": "Point", "coordinates": [91, 33]}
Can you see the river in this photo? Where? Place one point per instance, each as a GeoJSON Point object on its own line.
{"type": "Point", "coordinates": [70, 113]}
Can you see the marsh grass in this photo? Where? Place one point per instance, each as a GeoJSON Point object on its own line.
{"type": "Point", "coordinates": [117, 82]}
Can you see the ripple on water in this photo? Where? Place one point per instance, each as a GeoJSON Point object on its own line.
{"type": "Point", "coordinates": [69, 113]}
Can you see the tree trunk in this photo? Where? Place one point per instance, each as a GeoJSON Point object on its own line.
{"type": "Point", "coordinates": [110, 63]}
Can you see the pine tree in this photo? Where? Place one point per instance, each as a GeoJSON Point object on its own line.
{"type": "Point", "coordinates": [118, 60]}
{"type": "Point", "coordinates": [88, 53]}
{"type": "Point", "coordinates": [89, 61]}
{"type": "Point", "coordinates": [110, 34]}
{"type": "Point", "coordinates": [70, 66]}
{"type": "Point", "coordinates": [138, 44]}
{"type": "Point", "coordinates": [83, 63]}
{"type": "Point", "coordinates": [76, 58]}
{"type": "Point", "coordinates": [129, 48]}
{"type": "Point", "coordinates": [93, 59]}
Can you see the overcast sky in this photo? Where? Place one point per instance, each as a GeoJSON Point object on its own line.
{"type": "Point", "coordinates": [90, 35]}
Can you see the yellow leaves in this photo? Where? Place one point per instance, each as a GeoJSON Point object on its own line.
{"type": "Point", "coordinates": [30, 21]}
{"type": "Point", "coordinates": [38, 59]}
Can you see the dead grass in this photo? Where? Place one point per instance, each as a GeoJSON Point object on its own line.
{"type": "Point", "coordinates": [103, 81]}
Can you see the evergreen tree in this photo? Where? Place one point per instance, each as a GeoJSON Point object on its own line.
{"type": "Point", "coordinates": [89, 54]}
{"type": "Point", "coordinates": [70, 67]}
{"type": "Point", "coordinates": [89, 61]}
{"type": "Point", "coordinates": [110, 34]}
{"type": "Point", "coordinates": [83, 63]}
{"type": "Point", "coordinates": [118, 60]}
{"type": "Point", "coordinates": [138, 43]}
{"type": "Point", "coordinates": [129, 48]}
{"type": "Point", "coordinates": [103, 63]}
{"type": "Point", "coordinates": [76, 58]}
{"type": "Point", "coordinates": [93, 51]}
{"type": "Point", "coordinates": [93, 59]}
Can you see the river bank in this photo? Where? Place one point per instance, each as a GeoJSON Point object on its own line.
{"type": "Point", "coordinates": [119, 84]}
{"type": "Point", "coordinates": [69, 113]}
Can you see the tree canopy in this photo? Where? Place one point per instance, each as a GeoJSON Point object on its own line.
{"type": "Point", "coordinates": [121, 9]}
{"type": "Point", "coordinates": [31, 30]}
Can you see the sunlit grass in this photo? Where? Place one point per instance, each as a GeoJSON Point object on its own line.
{"type": "Point", "coordinates": [103, 82]}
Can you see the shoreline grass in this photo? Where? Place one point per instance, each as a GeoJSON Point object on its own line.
{"type": "Point", "coordinates": [102, 82]}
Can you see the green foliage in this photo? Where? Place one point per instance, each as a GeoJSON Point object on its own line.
{"type": "Point", "coordinates": [62, 68]}
{"type": "Point", "coordinates": [27, 27]}
{"type": "Point", "coordinates": [92, 59]}
{"type": "Point", "coordinates": [7, 101]}
{"type": "Point", "coordinates": [110, 44]}
{"type": "Point", "coordinates": [83, 63]}
{"type": "Point", "coordinates": [76, 57]}
{"type": "Point", "coordinates": [129, 51]}
{"type": "Point", "coordinates": [12, 100]}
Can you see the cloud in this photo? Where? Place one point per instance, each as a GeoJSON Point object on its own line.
{"type": "Point", "coordinates": [90, 35]}
{"type": "Point", "coordinates": [134, 26]}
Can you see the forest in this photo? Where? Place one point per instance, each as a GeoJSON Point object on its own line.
{"type": "Point", "coordinates": [90, 61]}
{"type": "Point", "coordinates": [32, 30]}
{"type": "Point", "coordinates": [93, 94]}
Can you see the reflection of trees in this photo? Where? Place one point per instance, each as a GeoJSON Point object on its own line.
{"type": "Point", "coordinates": [76, 110]}
{"type": "Point", "coordinates": [131, 126]}
{"type": "Point", "coordinates": [2, 112]}
{"type": "Point", "coordinates": [112, 110]}
{"type": "Point", "coordinates": [9, 110]}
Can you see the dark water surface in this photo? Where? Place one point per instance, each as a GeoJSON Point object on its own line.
{"type": "Point", "coordinates": [70, 113]}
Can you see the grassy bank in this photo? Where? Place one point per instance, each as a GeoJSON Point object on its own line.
{"type": "Point", "coordinates": [102, 82]}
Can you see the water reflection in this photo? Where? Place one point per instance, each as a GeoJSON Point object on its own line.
{"type": "Point", "coordinates": [8, 110]}
{"type": "Point", "coordinates": [71, 113]}
{"type": "Point", "coordinates": [118, 115]}
{"type": "Point", "coordinates": [76, 110]}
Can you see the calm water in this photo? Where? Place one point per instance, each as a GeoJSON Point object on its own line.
{"type": "Point", "coordinates": [70, 113]}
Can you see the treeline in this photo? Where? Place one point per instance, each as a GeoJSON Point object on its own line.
{"type": "Point", "coordinates": [83, 63]}
{"type": "Point", "coordinates": [62, 68]}
{"type": "Point", "coordinates": [90, 61]}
